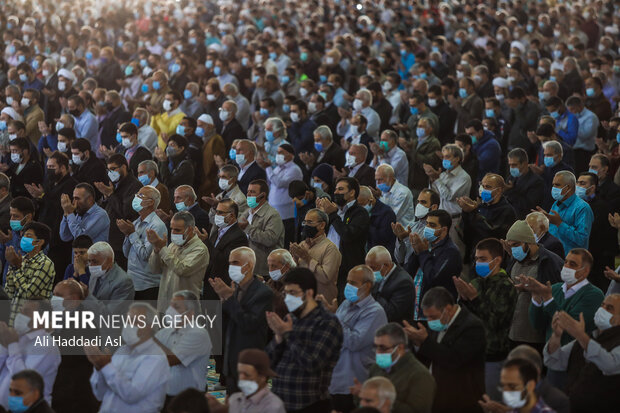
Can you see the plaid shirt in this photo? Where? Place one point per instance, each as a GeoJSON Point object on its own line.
{"type": "Point", "coordinates": [305, 358]}
{"type": "Point", "coordinates": [34, 278]}
{"type": "Point", "coordinates": [540, 407]}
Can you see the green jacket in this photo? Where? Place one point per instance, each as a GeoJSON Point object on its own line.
{"type": "Point", "coordinates": [586, 300]}
{"type": "Point", "coordinates": [495, 305]}
{"type": "Point", "coordinates": [414, 383]}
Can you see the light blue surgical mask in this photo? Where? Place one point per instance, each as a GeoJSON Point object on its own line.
{"type": "Point", "coordinates": [252, 202]}
{"type": "Point", "coordinates": [556, 193]}
{"type": "Point", "coordinates": [429, 234]}
{"type": "Point", "coordinates": [180, 206]}
{"type": "Point", "coordinates": [187, 94]}
{"type": "Point", "coordinates": [581, 192]}
{"type": "Point", "coordinates": [200, 132]}
{"type": "Point", "coordinates": [483, 269]}
{"type": "Point", "coordinates": [463, 93]}
{"type": "Point", "coordinates": [318, 146]}
{"type": "Point", "coordinates": [515, 172]}
{"type": "Point", "coordinates": [420, 132]}
{"type": "Point", "coordinates": [384, 360]}
{"type": "Point", "coordinates": [592, 171]}
{"type": "Point", "coordinates": [490, 113]}
{"type": "Point", "coordinates": [16, 224]}
{"type": "Point", "coordinates": [16, 404]}
{"type": "Point", "coordinates": [378, 276]}
{"type": "Point", "coordinates": [144, 179]}
{"type": "Point", "coordinates": [180, 130]}
{"type": "Point", "coordinates": [437, 325]}
{"type": "Point", "coordinates": [518, 253]}
{"type": "Point", "coordinates": [383, 187]}
{"type": "Point", "coordinates": [549, 161]}
{"type": "Point", "coordinates": [486, 195]}
{"type": "Point", "coordinates": [350, 293]}
{"type": "Point", "coordinates": [136, 203]}
{"type": "Point", "coordinates": [232, 154]}
{"type": "Point", "coordinates": [269, 136]}
{"type": "Point", "coordinates": [447, 164]}
{"type": "Point", "coordinates": [26, 244]}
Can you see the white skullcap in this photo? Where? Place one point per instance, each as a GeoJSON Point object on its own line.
{"type": "Point", "coordinates": [518, 45]}
{"type": "Point", "coordinates": [206, 119]}
{"type": "Point", "coordinates": [500, 82]}
{"type": "Point", "coordinates": [12, 113]}
{"type": "Point", "coordinates": [216, 47]}
{"type": "Point", "coordinates": [67, 74]}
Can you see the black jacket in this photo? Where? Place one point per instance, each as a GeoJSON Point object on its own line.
{"type": "Point", "coordinates": [396, 294]}
{"type": "Point", "coordinates": [549, 267]}
{"type": "Point", "coordinates": [109, 72]}
{"type": "Point", "coordinates": [610, 192]}
{"type": "Point", "coordinates": [5, 214]}
{"type": "Point", "coordinates": [526, 194]}
{"type": "Point", "coordinates": [553, 244]}
{"type": "Point", "coordinates": [447, 117]}
{"type": "Point", "coordinates": [365, 175]}
{"type": "Point", "coordinates": [49, 210]}
{"type": "Point", "coordinates": [384, 109]}
{"type": "Point", "coordinates": [554, 397]}
{"type": "Point", "coordinates": [458, 364]}
{"type": "Point", "coordinates": [247, 324]}
{"type": "Point", "coordinates": [488, 221]}
{"type": "Point", "coordinates": [91, 171]}
{"type": "Point", "coordinates": [603, 242]}
{"type": "Point", "coordinates": [118, 206]}
{"type": "Point", "coordinates": [254, 172]}
{"type": "Point", "coordinates": [31, 174]}
{"type": "Point", "coordinates": [218, 264]}
{"type": "Point", "coordinates": [334, 155]}
{"type": "Point", "coordinates": [201, 217]}
{"type": "Point", "coordinates": [380, 230]}
{"type": "Point", "coordinates": [232, 131]}
{"type": "Point", "coordinates": [141, 154]}
{"type": "Point", "coordinates": [110, 124]}
{"type": "Point", "coordinates": [181, 173]}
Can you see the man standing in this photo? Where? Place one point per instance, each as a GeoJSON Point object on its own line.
{"type": "Point", "coordinates": [381, 218]}
{"type": "Point", "coordinates": [27, 388]}
{"type": "Point", "coordinates": [83, 215]}
{"type": "Point", "coordinates": [395, 195]}
{"type": "Point", "coordinates": [524, 189]}
{"type": "Point", "coordinates": [519, 382]}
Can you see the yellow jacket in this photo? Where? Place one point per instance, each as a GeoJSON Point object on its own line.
{"type": "Point", "coordinates": [166, 123]}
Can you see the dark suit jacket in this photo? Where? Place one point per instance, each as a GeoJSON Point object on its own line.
{"type": "Point", "coordinates": [526, 194]}
{"type": "Point", "coordinates": [458, 364]}
{"type": "Point", "coordinates": [334, 155]}
{"type": "Point", "coordinates": [50, 211]}
{"type": "Point", "coordinates": [365, 175]}
{"type": "Point", "coordinates": [141, 154]}
{"type": "Point", "coordinates": [396, 295]}
{"type": "Point", "coordinates": [232, 131]}
{"type": "Point", "coordinates": [5, 215]}
{"type": "Point", "coordinates": [554, 397]}
{"type": "Point", "coordinates": [553, 244]}
{"type": "Point", "coordinates": [110, 125]}
{"type": "Point", "coordinates": [218, 264]}
{"type": "Point", "coordinates": [254, 172]}
{"type": "Point", "coordinates": [247, 325]}
{"type": "Point", "coordinates": [31, 174]}
{"type": "Point", "coordinates": [118, 206]}
{"type": "Point", "coordinates": [91, 171]}
{"type": "Point", "coordinates": [201, 217]}
{"type": "Point", "coordinates": [380, 231]}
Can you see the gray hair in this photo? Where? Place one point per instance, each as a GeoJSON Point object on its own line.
{"type": "Point", "coordinates": [324, 132]}
{"type": "Point", "coordinates": [5, 182]}
{"type": "Point", "coordinates": [384, 387]}
{"type": "Point", "coordinates": [568, 178]}
{"type": "Point", "coordinates": [438, 297]}
{"type": "Point", "coordinates": [285, 257]}
{"type": "Point", "coordinates": [52, 63]}
{"type": "Point", "coordinates": [189, 191]}
{"type": "Point", "coordinates": [539, 218]}
{"type": "Point", "coordinates": [387, 169]}
{"type": "Point", "coordinates": [380, 253]}
{"type": "Point", "coordinates": [33, 378]}
{"type": "Point", "coordinates": [528, 353]}
{"type": "Point", "coordinates": [395, 332]}
{"type": "Point", "coordinates": [323, 217]}
{"type": "Point", "coordinates": [230, 170]}
{"type": "Point", "coordinates": [555, 146]}
{"type": "Point", "coordinates": [186, 217]}
{"type": "Point", "coordinates": [233, 104]}
{"type": "Point", "coordinates": [101, 248]}
{"type": "Point", "coordinates": [368, 276]}
{"type": "Point", "coordinates": [366, 95]}
{"type": "Point", "coordinates": [231, 86]}
{"type": "Point", "coordinates": [190, 300]}
{"type": "Point", "coordinates": [150, 166]}
{"type": "Point", "coordinates": [150, 313]}
{"type": "Point", "coordinates": [247, 253]}
{"type": "Point", "coordinates": [250, 144]}
{"type": "Point", "coordinates": [154, 194]}
{"type": "Point", "coordinates": [455, 150]}
{"type": "Point", "coordinates": [365, 192]}
{"type": "Point", "coordinates": [278, 125]}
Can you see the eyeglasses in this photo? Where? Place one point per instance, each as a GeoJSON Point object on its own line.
{"type": "Point", "coordinates": [142, 196]}
{"type": "Point", "coordinates": [383, 349]}
{"type": "Point", "coordinates": [222, 213]}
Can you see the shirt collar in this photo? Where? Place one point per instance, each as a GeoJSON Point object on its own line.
{"type": "Point", "coordinates": [456, 314]}
{"type": "Point", "coordinates": [575, 287]}
{"type": "Point", "coordinates": [258, 396]}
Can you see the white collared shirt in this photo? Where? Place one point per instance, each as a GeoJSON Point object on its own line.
{"type": "Point", "coordinates": [400, 199]}
{"type": "Point", "coordinates": [243, 169]}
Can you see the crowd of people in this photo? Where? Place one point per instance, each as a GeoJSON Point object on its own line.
{"type": "Point", "coordinates": [401, 206]}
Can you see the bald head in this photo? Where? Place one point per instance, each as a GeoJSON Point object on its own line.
{"type": "Point", "coordinates": [362, 278]}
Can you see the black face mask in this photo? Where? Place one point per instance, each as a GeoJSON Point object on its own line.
{"type": "Point", "coordinates": [51, 175]}
{"type": "Point", "coordinates": [339, 200]}
{"type": "Point", "coordinates": [75, 112]}
{"type": "Point", "coordinates": [310, 232]}
{"type": "Point", "coordinates": [109, 106]}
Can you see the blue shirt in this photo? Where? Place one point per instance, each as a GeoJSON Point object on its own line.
{"type": "Point", "coordinates": [85, 278]}
{"type": "Point", "coordinates": [359, 322]}
{"type": "Point", "coordinates": [489, 154]}
{"type": "Point", "coordinates": [408, 60]}
{"type": "Point", "coordinates": [15, 243]}
{"type": "Point", "coordinates": [95, 223]}
{"type": "Point", "coordinates": [567, 126]}
{"type": "Point", "coordinates": [86, 126]}
{"type": "Point", "coordinates": [138, 250]}
{"type": "Point", "coordinates": [577, 218]}
{"type": "Point", "coordinates": [588, 129]}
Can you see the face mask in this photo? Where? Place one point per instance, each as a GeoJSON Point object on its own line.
{"type": "Point", "coordinates": [413, 110]}
{"type": "Point", "coordinates": [602, 319]}
{"type": "Point", "coordinates": [275, 274]}
{"type": "Point", "coordinates": [16, 225]}
{"type": "Point", "coordinates": [95, 270]}
{"type": "Point", "coordinates": [429, 234]}
{"type": "Point", "coordinates": [463, 93]}
{"type": "Point", "coordinates": [350, 293]}
{"type": "Point", "coordinates": [220, 221]}
{"type": "Point", "coordinates": [156, 85]}
{"type": "Point", "coordinates": [167, 105]}
{"type": "Point", "coordinates": [515, 173]}
{"type": "Point", "coordinates": [499, 97]}
{"type": "Point", "coordinates": [556, 193]}
{"type": "Point", "coordinates": [57, 303]}
{"type": "Point", "coordinates": [136, 204]}
{"type": "Point", "coordinates": [350, 160]}
{"type": "Point", "coordinates": [310, 232]}
{"type": "Point", "coordinates": [432, 103]}
{"type": "Point", "coordinates": [240, 159]}
{"type": "Point", "coordinates": [420, 132]}
{"type": "Point", "coordinates": [384, 360]}
{"type": "Point", "coordinates": [294, 117]}
{"type": "Point", "coordinates": [235, 274]}
{"type": "Point", "coordinates": [144, 179]}
{"type": "Point", "coordinates": [483, 269]}
{"type": "Point", "coordinates": [180, 206]}
{"type": "Point", "coordinates": [485, 194]}
{"type": "Point", "coordinates": [114, 176]}
{"type": "Point", "coordinates": [170, 151]}
{"type": "Point", "coordinates": [247, 387]}
{"type": "Point", "coordinates": [513, 399]}
{"type": "Point", "coordinates": [177, 239]}
{"type": "Point", "coordinates": [292, 302]}
{"type": "Point", "coordinates": [555, 114]}
{"type": "Point", "coordinates": [385, 146]}
{"type": "Point", "coordinates": [16, 404]}
{"type": "Point", "coordinates": [378, 276]}
{"type": "Point", "coordinates": [519, 253]}
{"type": "Point", "coordinates": [2, 125]}
{"type": "Point", "coordinates": [317, 185]}
{"type": "Point", "coordinates": [318, 146]}
{"type": "Point", "coordinates": [421, 211]}
{"type": "Point", "coordinates": [581, 192]}
{"type": "Point", "coordinates": [200, 132]}
{"type": "Point", "coordinates": [224, 115]}
{"type": "Point", "coordinates": [26, 244]}
{"type": "Point", "coordinates": [568, 275]}
{"type": "Point", "coordinates": [447, 164]}
{"type": "Point", "coordinates": [549, 161]}
{"type": "Point", "coordinates": [383, 187]}
{"type": "Point", "coordinates": [130, 335]}
{"type": "Point", "coordinates": [21, 324]}
{"type": "Point", "coordinates": [25, 102]}
{"type": "Point", "coordinates": [252, 202]}
{"type": "Point", "coordinates": [144, 88]}
{"type": "Point", "coordinates": [280, 160]}
{"type": "Point", "coordinates": [127, 142]}
{"type": "Point", "coordinates": [16, 158]}
{"type": "Point", "coordinates": [357, 104]}
{"type": "Point", "coordinates": [437, 325]}
{"type": "Point", "coordinates": [224, 184]}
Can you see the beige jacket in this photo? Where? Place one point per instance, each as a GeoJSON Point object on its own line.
{"type": "Point", "coordinates": [265, 234]}
{"type": "Point", "coordinates": [181, 268]}
{"type": "Point", "coordinates": [324, 262]}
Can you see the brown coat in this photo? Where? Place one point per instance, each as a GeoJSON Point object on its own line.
{"type": "Point", "coordinates": [324, 262]}
{"type": "Point", "coordinates": [214, 146]}
{"type": "Point", "coordinates": [32, 119]}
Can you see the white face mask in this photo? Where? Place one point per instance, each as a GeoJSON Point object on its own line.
{"type": "Point", "coordinates": [514, 399]}
{"type": "Point", "coordinates": [21, 324]}
{"type": "Point", "coordinates": [62, 146]}
{"type": "Point", "coordinates": [357, 104]}
{"type": "Point", "coordinates": [294, 116]}
{"type": "Point", "coordinates": [220, 221]}
{"type": "Point", "coordinates": [568, 275]}
{"type": "Point", "coordinates": [223, 115]}
{"type": "Point", "coordinates": [432, 103]}
{"type": "Point", "coordinates": [130, 335]}
{"type": "Point", "coordinates": [602, 319]}
{"type": "Point", "coordinates": [77, 159]}
{"type": "Point", "coordinates": [247, 387]}
{"type": "Point", "coordinates": [224, 184]}
{"type": "Point", "coordinates": [421, 211]}
{"type": "Point", "coordinates": [280, 159]}
{"type": "Point", "coordinates": [177, 239]}
{"type": "Point", "coordinates": [167, 105]}
{"type": "Point", "coordinates": [235, 274]}
{"type": "Point", "coordinates": [25, 102]}
{"type": "Point", "coordinates": [350, 160]}
{"type": "Point", "coordinates": [61, 85]}
{"type": "Point", "coordinates": [57, 303]}
{"type": "Point", "coordinates": [275, 274]}
{"type": "Point", "coordinates": [292, 302]}
{"type": "Point", "coordinates": [95, 270]}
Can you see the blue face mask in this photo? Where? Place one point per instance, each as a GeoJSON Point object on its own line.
{"type": "Point", "coordinates": [16, 404]}
{"type": "Point", "coordinates": [581, 192]}
{"type": "Point", "coordinates": [384, 145]}
{"type": "Point", "coordinates": [474, 139]}
{"type": "Point", "coordinates": [556, 193]}
{"type": "Point", "coordinates": [618, 137]}
{"type": "Point", "coordinates": [518, 253]}
{"type": "Point", "coordinates": [447, 165]}
{"type": "Point", "coordinates": [119, 138]}
{"type": "Point", "coordinates": [2, 125]}
{"type": "Point", "coordinates": [26, 244]}
{"type": "Point", "coordinates": [486, 195]}
{"type": "Point", "coordinates": [136, 203]}
{"type": "Point", "coordinates": [136, 122]}
{"type": "Point", "coordinates": [156, 85]}
{"type": "Point", "coordinates": [232, 154]}
{"type": "Point", "coordinates": [383, 187]}
{"type": "Point", "coordinates": [490, 113]}
{"type": "Point", "coordinates": [413, 110]}
{"type": "Point", "coordinates": [200, 132]}
{"type": "Point", "coordinates": [318, 146]}
{"type": "Point", "coordinates": [429, 234]}
{"type": "Point", "coordinates": [187, 94]}
{"type": "Point", "coordinates": [285, 79]}
{"type": "Point", "coordinates": [175, 68]}
{"type": "Point", "coordinates": [437, 325]}
{"type": "Point", "coordinates": [217, 70]}
{"type": "Point", "coordinates": [378, 276]}
{"type": "Point", "coordinates": [515, 173]}
{"type": "Point", "coordinates": [180, 206]}
{"type": "Point", "coordinates": [384, 360]}
{"type": "Point", "coordinates": [269, 136]}
{"type": "Point", "coordinates": [180, 130]}
{"type": "Point", "coordinates": [286, 108]}
{"type": "Point", "coordinates": [420, 132]}
{"type": "Point", "coordinates": [463, 93]}
{"type": "Point", "coordinates": [483, 269]}
{"type": "Point", "coordinates": [592, 171]}
{"type": "Point", "coordinates": [555, 114]}
{"type": "Point", "coordinates": [350, 293]}
{"type": "Point", "coordinates": [144, 179]}
{"type": "Point", "coordinates": [252, 202]}
{"type": "Point", "coordinates": [590, 92]}
{"type": "Point", "coordinates": [549, 161]}
{"type": "Point", "coordinates": [144, 88]}
{"type": "Point", "coordinates": [16, 224]}
{"type": "Point", "coordinates": [264, 112]}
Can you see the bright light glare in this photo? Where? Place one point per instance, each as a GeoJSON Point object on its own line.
{"type": "Point", "coordinates": [359, 7]}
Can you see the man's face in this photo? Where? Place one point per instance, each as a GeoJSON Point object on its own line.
{"type": "Point", "coordinates": [254, 190]}
{"type": "Point", "coordinates": [177, 226]}
{"type": "Point", "coordinates": [99, 259]}
{"type": "Point", "coordinates": [82, 200]}
{"type": "Point", "coordinates": [510, 380]}
{"type": "Point", "coordinates": [596, 165]}
{"type": "Point", "coordinates": [80, 254]}
{"type": "Point", "coordinates": [248, 372]}
{"type": "Point", "coordinates": [21, 388]}
{"type": "Point", "coordinates": [584, 181]}
{"type": "Point", "coordinates": [433, 223]}
{"type": "Point", "coordinates": [369, 397]}
{"type": "Point", "coordinates": [558, 182]}
{"type": "Point", "coordinates": [424, 198]}
{"type": "Point", "coordinates": [492, 185]}
{"type": "Point", "coordinates": [450, 157]}
{"type": "Point", "coordinates": [550, 152]}
{"type": "Point", "coordinates": [312, 220]}
{"type": "Point", "coordinates": [343, 188]}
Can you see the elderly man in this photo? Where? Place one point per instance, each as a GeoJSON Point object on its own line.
{"type": "Point", "coordinates": [363, 105]}
{"type": "Point", "coordinates": [245, 303]}
{"type": "Point", "coordinates": [136, 247]}
{"type": "Point", "coordinates": [19, 350]}
{"type": "Point", "coordinates": [182, 264]}
{"type": "Point", "coordinates": [388, 152]}
{"type": "Point", "coordinates": [231, 128]}
{"type": "Point", "coordinates": [539, 224]}
{"type": "Point", "coordinates": [319, 254]}
{"type": "Point", "coordinates": [227, 182]}
{"type": "Point", "coordinates": [137, 375]}
{"type": "Point", "coordinates": [262, 224]}
{"type": "Point", "coordinates": [185, 199]}
{"type": "Point", "coordinates": [147, 175]}
{"type": "Point", "coordinates": [395, 195]}
{"type": "Point", "coordinates": [381, 217]}
{"type": "Point", "coordinates": [455, 347]}
{"type": "Point", "coordinates": [378, 392]}
{"type": "Point", "coordinates": [249, 171]}
{"type": "Point", "coordinates": [108, 282]}
{"type": "Point", "coordinates": [26, 392]}
{"type": "Point", "coordinates": [355, 163]}
{"type": "Point", "coordinates": [554, 163]}
{"type": "Point", "coordinates": [360, 316]}
{"type": "Point", "coordinates": [570, 216]}
{"type": "Point", "coordinates": [147, 136]}
{"type": "Point", "coordinates": [590, 359]}
{"type": "Point", "coordinates": [524, 188]}
{"type": "Point", "coordinates": [325, 151]}
{"type": "Point", "coordinates": [422, 149]}
{"type": "Point", "coordinates": [393, 287]}
{"type": "Point", "coordinates": [186, 344]}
